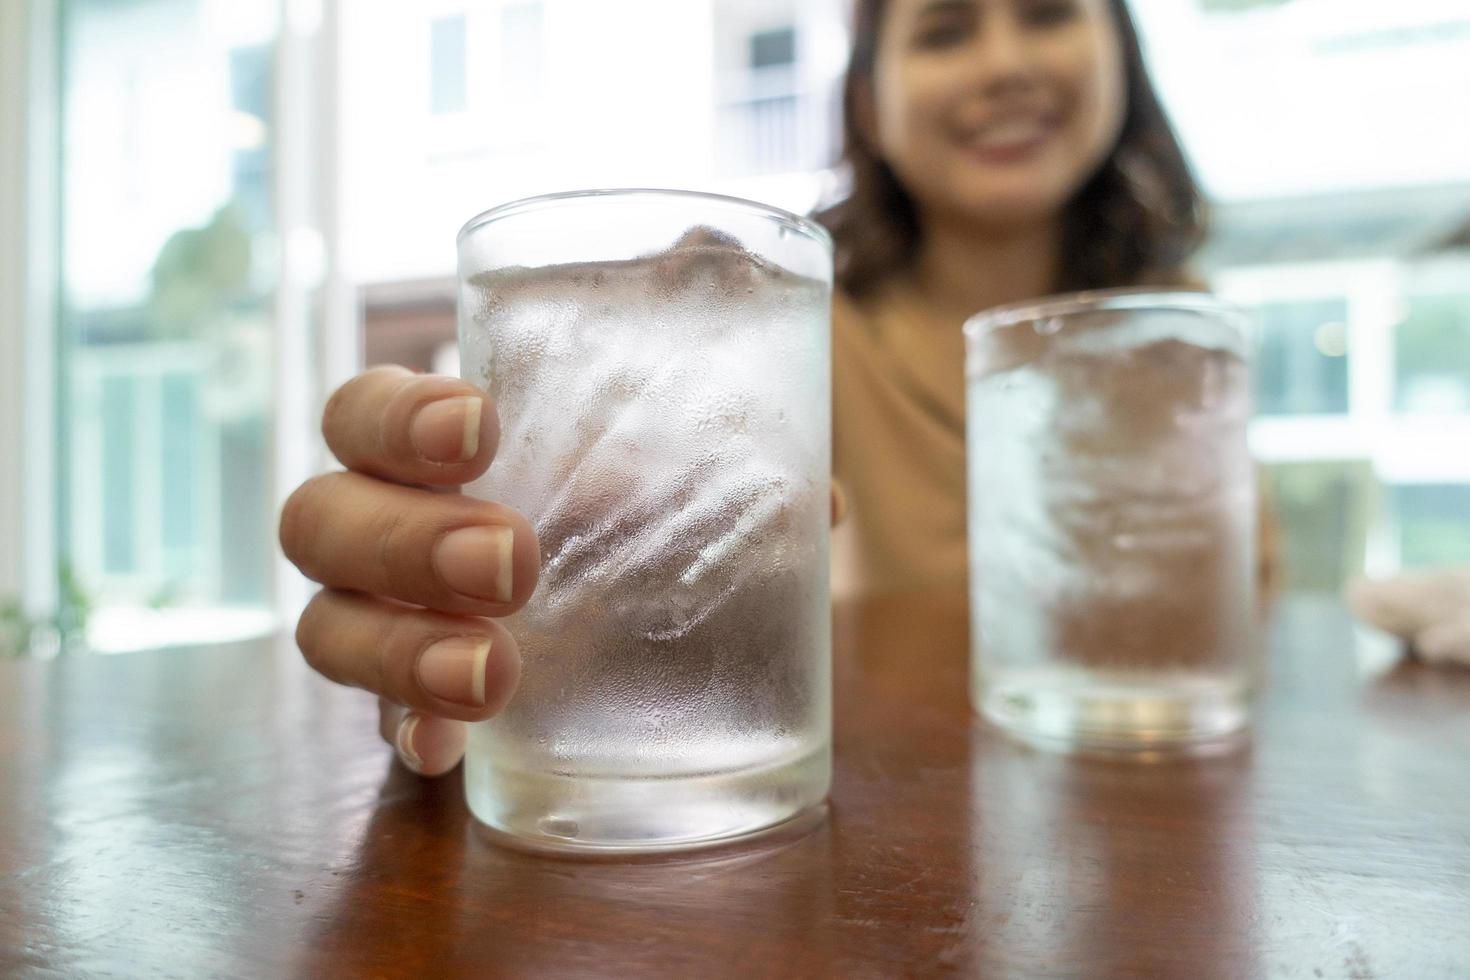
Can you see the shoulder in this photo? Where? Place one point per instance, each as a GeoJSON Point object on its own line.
{"type": "Point", "coordinates": [855, 314]}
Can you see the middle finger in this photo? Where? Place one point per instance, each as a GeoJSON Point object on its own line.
{"type": "Point", "coordinates": [444, 551]}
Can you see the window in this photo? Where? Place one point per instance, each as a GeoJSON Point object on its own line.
{"type": "Point", "coordinates": [770, 49]}
{"type": "Point", "coordinates": [1433, 523]}
{"type": "Point", "coordinates": [1432, 356]}
{"type": "Point", "coordinates": [250, 99]}
{"type": "Point", "coordinates": [1302, 366]}
{"type": "Point", "coordinates": [447, 61]}
{"type": "Point", "coordinates": [1363, 478]}
{"type": "Point", "coordinates": [769, 125]}
{"type": "Point", "coordinates": [1325, 510]}
{"type": "Point", "coordinates": [523, 52]}
{"type": "Point", "coordinates": [165, 339]}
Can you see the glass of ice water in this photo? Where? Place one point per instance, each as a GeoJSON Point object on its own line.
{"type": "Point", "coordinates": [1112, 521]}
{"type": "Point", "coordinates": [661, 365]}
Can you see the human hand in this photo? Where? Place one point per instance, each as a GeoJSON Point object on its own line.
{"type": "Point", "coordinates": [1429, 608]}
{"type": "Point", "coordinates": [415, 574]}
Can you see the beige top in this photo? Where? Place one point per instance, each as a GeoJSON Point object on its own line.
{"type": "Point", "coordinates": [898, 447]}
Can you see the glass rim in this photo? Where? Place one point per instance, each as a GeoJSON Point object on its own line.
{"type": "Point", "coordinates": [806, 225]}
{"type": "Point", "coordinates": [1103, 301]}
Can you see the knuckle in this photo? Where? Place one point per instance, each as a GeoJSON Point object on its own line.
{"type": "Point", "coordinates": [399, 543]}
{"type": "Point", "coordinates": [350, 416]}
{"type": "Point", "coordinates": [301, 522]}
{"type": "Point", "coordinates": [309, 631]}
{"type": "Point", "coordinates": [398, 649]}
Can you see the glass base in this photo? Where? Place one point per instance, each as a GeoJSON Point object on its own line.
{"type": "Point", "coordinates": [1120, 714]}
{"type": "Point", "coordinates": [614, 816]}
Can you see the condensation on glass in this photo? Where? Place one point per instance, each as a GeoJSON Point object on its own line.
{"type": "Point", "coordinates": [1112, 521]}
{"type": "Point", "coordinates": [661, 366]}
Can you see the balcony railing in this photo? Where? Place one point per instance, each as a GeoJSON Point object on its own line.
{"type": "Point", "coordinates": [773, 133]}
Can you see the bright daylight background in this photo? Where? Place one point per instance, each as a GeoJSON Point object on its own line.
{"type": "Point", "coordinates": [215, 210]}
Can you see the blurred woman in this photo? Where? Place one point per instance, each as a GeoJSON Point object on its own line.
{"type": "Point", "coordinates": [999, 151]}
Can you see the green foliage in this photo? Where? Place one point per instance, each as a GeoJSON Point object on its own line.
{"type": "Point", "coordinates": [199, 273]}
{"type": "Point", "coordinates": [74, 606]}
{"type": "Point", "coordinates": [20, 633]}
{"type": "Point", "coordinates": [15, 628]}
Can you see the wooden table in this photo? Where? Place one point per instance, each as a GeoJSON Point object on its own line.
{"type": "Point", "coordinates": [223, 812]}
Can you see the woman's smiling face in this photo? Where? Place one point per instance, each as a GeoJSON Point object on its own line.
{"type": "Point", "coordinates": [996, 112]}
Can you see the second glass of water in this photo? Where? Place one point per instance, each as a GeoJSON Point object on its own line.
{"type": "Point", "coordinates": [661, 366]}
{"type": "Point", "coordinates": [1112, 520]}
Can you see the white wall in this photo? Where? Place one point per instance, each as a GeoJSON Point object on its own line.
{"type": "Point", "coordinates": [27, 278]}
{"type": "Point", "coordinates": [627, 100]}
{"type": "Point", "coordinates": [12, 311]}
{"type": "Point", "coordinates": [631, 97]}
{"type": "Point", "coordinates": [1316, 96]}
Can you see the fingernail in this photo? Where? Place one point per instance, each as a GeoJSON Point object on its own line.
{"type": "Point", "coordinates": [454, 669]}
{"type": "Point", "coordinates": [477, 562]}
{"type": "Point", "coordinates": [447, 431]}
{"type": "Point", "coordinates": [403, 742]}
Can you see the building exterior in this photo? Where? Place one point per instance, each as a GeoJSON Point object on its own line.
{"type": "Point", "coordinates": [1328, 133]}
{"type": "Point", "coordinates": [453, 107]}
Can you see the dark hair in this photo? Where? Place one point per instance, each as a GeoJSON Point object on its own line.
{"type": "Point", "coordinates": [1136, 221]}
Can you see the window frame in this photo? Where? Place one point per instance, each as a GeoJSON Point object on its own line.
{"type": "Point", "coordinates": [1404, 449]}
{"type": "Point", "coordinates": [315, 343]}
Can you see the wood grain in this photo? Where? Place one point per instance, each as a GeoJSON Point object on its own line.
{"type": "Point", "coordinates": [223, 812]}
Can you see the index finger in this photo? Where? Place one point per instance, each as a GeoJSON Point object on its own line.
{"type": "Point", "coordinates": [410, 428]}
